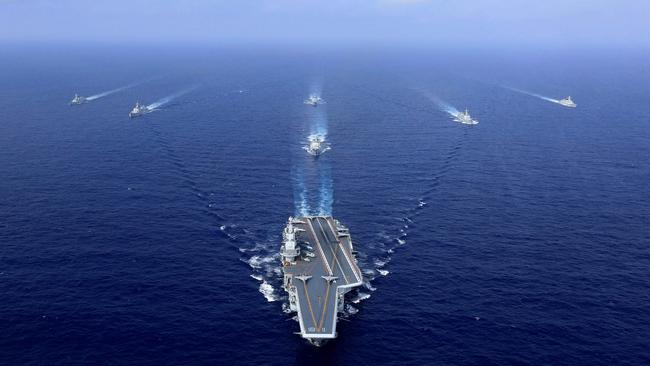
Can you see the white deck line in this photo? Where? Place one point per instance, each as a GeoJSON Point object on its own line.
{"type": "Point", "coordinates": [335, 257]}
{"type": "Point", "coordinates": [303, 328]}
{"type": "Point", "coordinates": [345, 253]}
{"type": "Point", "coordinates": [329, 268]}
{"type": "Point", "coordinates": [305, 333]}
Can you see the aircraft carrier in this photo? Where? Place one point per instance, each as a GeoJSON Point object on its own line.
{"type": "Point", "coordinates": [319, 269]}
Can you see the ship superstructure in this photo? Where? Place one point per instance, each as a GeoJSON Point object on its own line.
{"type": "Point", "coordinates": [78, 100]}
{"type": "Point", "coordinates": [139, 110]}
{"type": "Point", "coordinates": [316, 145]}
{"type": "Point", "coordinates": [465, 118]}
{"type": "Point", "coordinates": [314, 100]}
{"type": "Point", "coordinates": [567, 102]}
{"type": "Point", "coordinates": [319, 268]}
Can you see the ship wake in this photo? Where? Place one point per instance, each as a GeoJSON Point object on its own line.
{"type": "Point", "coordinates": [326, 191]}
{"type": "Point", "coordinates": [443, 105]}
{"type": "Point", "coordinates": [263, 260]}
{"type": "Point", "coordinates": [319, 124]}
{"type": "Point", "coordinates": [387, 243]}
{"type": "Point", "coordinates": [322, 202]}
{"type": "Point", "coordinates": [112, 91]}
{"type": "Point", "coordinates": [375, 260]}
{"type": "Point", "coordinates": [313, 190]}
{"type": "Point", "coordinates": [161, 102]}
{"type": "Point", "coordinates": [260, 255]}
{"type": "Point", "coordinates": [539, 96]}
{"type": "Point", "coordinates": [300, 199]}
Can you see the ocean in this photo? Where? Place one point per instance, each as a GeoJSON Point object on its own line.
{"type": "Point", "coordinates": [524, 239]}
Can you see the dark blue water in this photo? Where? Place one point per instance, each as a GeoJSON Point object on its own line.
{"type": "Point", "coordinates": [522, 240]}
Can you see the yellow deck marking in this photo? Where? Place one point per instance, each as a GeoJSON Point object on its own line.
{"type": "Point", "coordinates": [329, 284]}
{"type": "Point", "coordinates": [322, 315]}
{"type": "Point", "coordinates": [313, 318]}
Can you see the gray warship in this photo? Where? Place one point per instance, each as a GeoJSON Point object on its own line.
{"type": "Point", "coordinates": [139, 110]}
{"type": "Point", "coordinates": [567, 102]}
{"type": "Point", "coordinates": [465, 118]}
{"type": "Point", "coordinates": [319, 269]}
{"type": "Point", "coordinates": [78, 100]}
{"type": "Point", "coordinates": [314, 100]}
{"type": "Point", "coordinates": [317, 145]}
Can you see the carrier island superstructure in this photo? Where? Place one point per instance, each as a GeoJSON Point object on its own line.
{"type": "Point", "coordinates": [319, 269]}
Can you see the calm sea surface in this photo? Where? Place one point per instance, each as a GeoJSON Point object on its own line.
{"type": "Point", "coordinates": [524, 239]}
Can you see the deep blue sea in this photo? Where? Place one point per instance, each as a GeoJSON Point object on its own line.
{"type": "Point", "coordinates": [523, 240]}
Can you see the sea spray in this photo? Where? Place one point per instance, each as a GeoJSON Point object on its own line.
{"type": "Point", "coordinates": [268, 291]}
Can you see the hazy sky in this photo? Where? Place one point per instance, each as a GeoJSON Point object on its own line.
{"type": "Point", "coordinates": [562, 22]}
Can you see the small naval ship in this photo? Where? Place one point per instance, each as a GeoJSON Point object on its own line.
{"type": "Point", "coordinates": [567, 102]}
{"type": "Point", "coordinates": [465, 118]}
{"type": "Point", "coordinates": [78, 100]}
{"type": "Point", "coordinates": [314, 100]}
{"type": "Point", "coordinates": [317, 146]}
{"type": "Point", "coordinates": [319, 268]}
{"type": "Point", "coordinates": [139, 110]}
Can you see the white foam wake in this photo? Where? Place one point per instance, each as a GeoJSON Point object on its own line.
{"type": "Point", "coordinates": [316, 87]}
{"type": "Point", "coordinates": [109, 92]}
{"type": "Point", "coordinates": [360, 297]}
{"type": "Point", "coordinates": [257, 261]}
{"type": "Point", "coordinates": [326, 191]}
{"type": "Point", "coordinates": [319, 122]}
{"type": "Point", "coordinates": [161, 102]}
{"type": "Point", "coordinates": [264, 262]}
{"type": "Point", "coordinates": [319, 127]}
{"type": "Point", "coordinates": [301, 206]}
{"type": "Point", "coordinates": [268, 291]}
{"type": "Point", "coordinates": [444, 106]}
{"type": "Point", "coordinates": [533, 94]}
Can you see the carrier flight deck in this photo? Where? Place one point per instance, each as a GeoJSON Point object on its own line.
{"type": "Point", "coordinates": [319, 269]}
